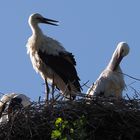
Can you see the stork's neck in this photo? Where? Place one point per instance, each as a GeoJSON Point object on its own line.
{"type": "Point", "coordinates": [36, 31]}
{"type": "Point", "coordinates": [113, 62]}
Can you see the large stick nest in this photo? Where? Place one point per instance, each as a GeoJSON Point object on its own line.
{"type": "Point", "coordinates": [83, 119]}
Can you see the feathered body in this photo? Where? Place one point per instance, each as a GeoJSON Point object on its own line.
{"type": "Point", "coordinates": [111, 81]}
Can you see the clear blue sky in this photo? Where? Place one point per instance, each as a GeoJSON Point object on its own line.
{"type": "Point", "coordinates": [90, 29]}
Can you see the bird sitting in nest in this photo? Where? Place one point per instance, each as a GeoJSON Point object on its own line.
{"type": "Point", "coordinates": [10, 103]}
{"type": "Point", "coordinates": [111, 80]}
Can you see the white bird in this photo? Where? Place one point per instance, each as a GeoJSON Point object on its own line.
{"type": "Point", "coordinates": [51, 60]}
{"type": "Point", "coordinates": [9, 103]}
{"type": "Point", "coordinates": [111, 81]}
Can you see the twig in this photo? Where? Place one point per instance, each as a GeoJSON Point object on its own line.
{"type": "Point", "coordinates": [130, 76]}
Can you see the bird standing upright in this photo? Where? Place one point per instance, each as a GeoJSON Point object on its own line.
{"type": "Point", "coordinates": [51, 60]}
{"type": "Point", "coordinates": [111, 81]}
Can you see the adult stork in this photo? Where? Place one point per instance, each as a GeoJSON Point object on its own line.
{"type": "Point", "coordinates": [10, 103]}
{"type": "Point", "coordinates": [111, 81]}
{"type": "Point", "coordinates": [51, 60]}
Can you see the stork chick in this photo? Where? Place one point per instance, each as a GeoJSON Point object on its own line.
{"type": "Point", "coordinates": [9, 103]}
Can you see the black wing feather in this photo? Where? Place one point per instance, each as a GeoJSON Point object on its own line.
{"type": "Point", "coordinates": [69, 56]}
{"type": "Point", "coordinates": [63, 66]}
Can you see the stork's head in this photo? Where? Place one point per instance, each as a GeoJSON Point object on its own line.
{"type": "Point", "coordinates": [37, 18]}
{"type": "Point", "coordinates": [121, 51]}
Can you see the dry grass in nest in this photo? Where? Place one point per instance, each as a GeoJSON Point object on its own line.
{"type": "Point", "coordinates": [96, 119]}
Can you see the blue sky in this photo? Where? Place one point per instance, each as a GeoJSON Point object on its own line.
{"type": "Point", "coordinates": [89, 29]}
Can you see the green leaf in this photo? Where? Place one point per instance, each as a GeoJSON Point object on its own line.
{"type": "Point", "coordinates": [71, 130]}
{"type": "Point", "coordinates": [55, 134]}
{"type": "Point", "coordinates": [58, 121]}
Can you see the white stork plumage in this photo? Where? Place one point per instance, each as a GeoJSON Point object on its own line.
{"type": "Point", "coordinates": [9, 103]}
{"type": "Point", "coordinates": [51, 60]}
{"type": "Point", "coordinates": [111, 81]}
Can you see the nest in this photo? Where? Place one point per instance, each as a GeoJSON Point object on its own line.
{"type": "Point", "coordinates": [83, 119]}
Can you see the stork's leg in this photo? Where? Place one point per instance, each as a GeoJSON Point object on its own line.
{"type": "Point", "coordinates": [53, 86]}
{"type": "Point", "coordinates": [47, 90]}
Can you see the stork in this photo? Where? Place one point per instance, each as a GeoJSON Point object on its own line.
{"type": "Point", "coordinates": [51, 60]}
{"type": "Point", "coordinates": [9, 103]}
{"type": "Point", "coordinates": [111, 81]}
